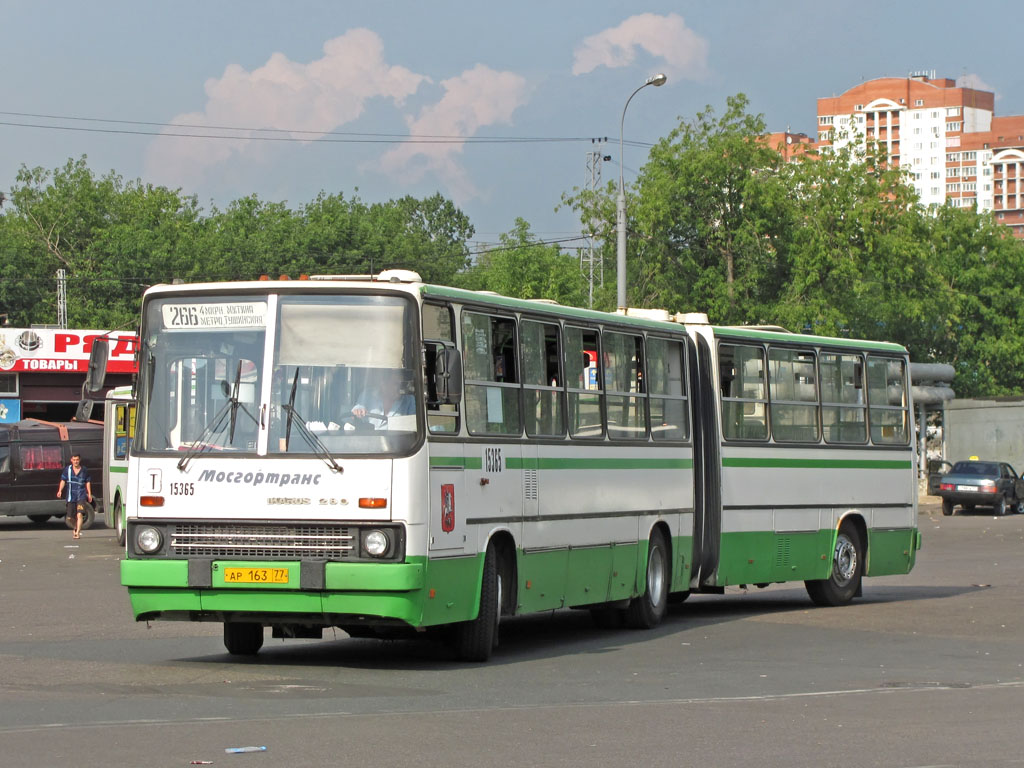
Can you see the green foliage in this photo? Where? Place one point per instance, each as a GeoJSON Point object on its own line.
{"type": "Point", "coordinates": [115, 238]}
{"type": "Point", "coordinates": [522, 267]}
{"type": "Point", "coordinates": [834, 244]}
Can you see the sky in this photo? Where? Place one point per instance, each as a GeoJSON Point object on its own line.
{"type": "Point", "coordinates": [502, 100]}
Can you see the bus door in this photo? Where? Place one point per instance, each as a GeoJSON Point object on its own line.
{"type": "Point", "coordinates": [448, 502]}
{"type": "Point", "coordinates": [707, 515]}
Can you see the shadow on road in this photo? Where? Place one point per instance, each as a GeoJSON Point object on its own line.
{"type": "Point", "coordinates": [560, 633]}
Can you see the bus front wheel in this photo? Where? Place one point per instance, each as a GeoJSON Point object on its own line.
{"type": "Point", "coordinates": [647, 610]}
{"type": "Point", "coordinates": [847, 569]}
{"type": "Point", "coordinates": [243, 638]}
{"type": "Point", "coordinates": [474, 640]}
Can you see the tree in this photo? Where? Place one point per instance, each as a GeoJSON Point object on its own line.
{"type": "Point", "coordinates": [702, 226]}
{"type": "Point", "coordinates": [522, 267]}
{"type": "Point", "coordinates": [112, 238]}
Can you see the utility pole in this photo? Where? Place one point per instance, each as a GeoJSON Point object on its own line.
{"type": "Point", "coordinates": [62, 299]}
{"type": "Point", "coordinates": [588, 259]}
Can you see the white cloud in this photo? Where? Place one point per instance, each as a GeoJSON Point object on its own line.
{"type": "Point", "coordinates": [319, 96]}
{"type": "Point", "coordinates": [975, 82]}
{"type": "Point", "coordinates": [683, 52]}
{"type": "Point", "coordinates": [476, 98]}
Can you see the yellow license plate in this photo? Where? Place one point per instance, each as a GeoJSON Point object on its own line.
{"type": "Point", "coordinates": [255, 575]}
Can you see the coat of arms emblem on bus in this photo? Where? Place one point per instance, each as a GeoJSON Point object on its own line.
{"type": "Point", "coordinates": [448, 507]}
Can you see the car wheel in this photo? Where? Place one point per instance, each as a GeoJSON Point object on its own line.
{"type": "Point", "coordinates": [1000, 508]}
{"type": "Point", "coordinates": [1017, 508]}
{"type": "Point", "coordinates": [947, 507]}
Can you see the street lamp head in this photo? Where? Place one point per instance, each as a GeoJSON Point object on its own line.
{"type": "Point", "coordinates": [657, 80]}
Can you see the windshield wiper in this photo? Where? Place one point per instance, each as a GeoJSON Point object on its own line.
{"type": "Point", "coordinates": [311, 439]}
{"type": "Point", "coordinates": [290, 408]}
{"type": "Point", "coordinates": [216, 424]}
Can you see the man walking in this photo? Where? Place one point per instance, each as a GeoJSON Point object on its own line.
{"type": "Point", "coordinates": [79, 485]}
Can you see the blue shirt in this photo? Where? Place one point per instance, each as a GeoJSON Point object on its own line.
{"type": "Point", "coordinates": [76, 483]}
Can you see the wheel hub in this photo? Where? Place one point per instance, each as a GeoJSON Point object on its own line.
{"type": "Point", "coordinates": [845, 559]}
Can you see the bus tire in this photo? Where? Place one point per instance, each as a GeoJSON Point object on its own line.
{"type": "Point", "coordinates": [947, 507]}
{"type": "Point", "coordinates": [647, 610]}
{"type": "Point", "coordinates": [243, 638]}
{"type": "Point", "coordinates": [475, 639]}
{"type": "Point", "coordinates": [847, 569]}
{"type": "Point", "coordinates": [119, 526]}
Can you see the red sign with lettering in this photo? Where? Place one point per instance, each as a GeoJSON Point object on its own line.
{"type": "Point", "coordinates": [448, 507]}
{"type": "Point", "coordinates": [63, 351]}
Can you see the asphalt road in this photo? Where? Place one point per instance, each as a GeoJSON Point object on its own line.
{"type": "Point", "coordinates": [925, 669]}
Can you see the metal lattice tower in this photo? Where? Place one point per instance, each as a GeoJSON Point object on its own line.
{"type": "Point", "coordinates": [62, 299]}
{"type": "Point", "coordinates": [589, 261]}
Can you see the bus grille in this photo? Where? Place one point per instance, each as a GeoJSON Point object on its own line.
{"type": "Point", "coordinates": [292, 542]}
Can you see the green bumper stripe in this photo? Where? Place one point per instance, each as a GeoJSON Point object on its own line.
{"type": "Point", "coordinates": [817, 463]}
{"type": "Point", "coordinates": [119, 469]}
{"type": "Point", "coordinates": [348, 577]}
{"type": "Point", "coordinates": [369, 577]}
{"type": "Point", "coordinates": [154, 573]}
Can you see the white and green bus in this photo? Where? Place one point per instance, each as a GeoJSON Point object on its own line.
{"type": "Point", "coordinates": [118, 432]}
{"type": "Point", "coordinates": [529, 457]}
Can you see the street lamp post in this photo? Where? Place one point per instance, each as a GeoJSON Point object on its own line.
{"type": "Point", "coordinates": [620, 208]}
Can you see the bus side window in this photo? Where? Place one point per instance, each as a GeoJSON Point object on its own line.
{"type": "Point", "coordinates": [583, 385]}
{"type": "Point", "coordinates": [542, 381]}
{"type": "Point", "coordinates": [744, 399]}
{"type": "Point", "coordinates": [667, 389]}
{"type": "Point", "coordinates": [625, 399]}
{"type": "Point", "coordinates": [492, 381]}
{"type": "Point", "coordinates": [887, 401]}
{"type": "Point", "coordinates": [120, 431]}
{"type": "Point", "coordinates": [442, 418]}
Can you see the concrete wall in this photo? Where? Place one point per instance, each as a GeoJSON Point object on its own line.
{"type": "Point", "coordinates": [988, 429]}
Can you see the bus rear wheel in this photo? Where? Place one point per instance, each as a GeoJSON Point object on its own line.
{"type": "Point", "coordinates": [118, 515]}
{"type": "Point", "coordinates": [647, 610]}
{"type": "Point", "coordinates": [243, 638]}
{"type": "Point", "coordinates": [847, 569]}
{"type": "Point", "coordinates": [475, 639]}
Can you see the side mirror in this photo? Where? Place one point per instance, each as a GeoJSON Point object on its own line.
{"type": "Point", "coordinates": [96, 374]}
{"type": "Point", "coordinates": [84, 410]}
{"type": "Point", "coordinates": [448, 375]}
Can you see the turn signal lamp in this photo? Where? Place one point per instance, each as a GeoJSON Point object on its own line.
{"type": "Point", "coordinates": [151, 501]}
{"type": "Point", "coordinates": [368, 503]}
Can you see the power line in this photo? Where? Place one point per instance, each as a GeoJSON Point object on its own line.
{"type": "Point", "coordinates": [333, 137]}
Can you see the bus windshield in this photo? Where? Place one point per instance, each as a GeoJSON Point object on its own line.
{"type": "Point", "coordinates": [288, 374]}
{"type": "Point", "coordinates": [343, 376]}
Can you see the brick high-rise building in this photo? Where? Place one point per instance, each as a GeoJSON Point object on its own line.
{"type": "Point", "coordinates": [956, 149]}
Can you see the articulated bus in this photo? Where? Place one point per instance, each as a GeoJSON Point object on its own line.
{"type": "Point", "coordinates": [118, 432]}
{"type": "Point", "coordinates": [527, 457]}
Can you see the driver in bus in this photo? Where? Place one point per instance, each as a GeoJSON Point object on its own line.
{"type": "Point", "coordinates": [388, 399]}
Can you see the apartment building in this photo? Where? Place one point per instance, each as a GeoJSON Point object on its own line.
{"type": "Point", "coordinates": [948, 136]}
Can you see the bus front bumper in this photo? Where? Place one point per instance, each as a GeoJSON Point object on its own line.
{"type": "Point", "coordinates": [323, 593]}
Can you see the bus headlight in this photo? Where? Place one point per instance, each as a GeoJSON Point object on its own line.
{"type": "Point", "coordinates": [375, 543]}
{"type": "Point", "coordinates": [149, 539]}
